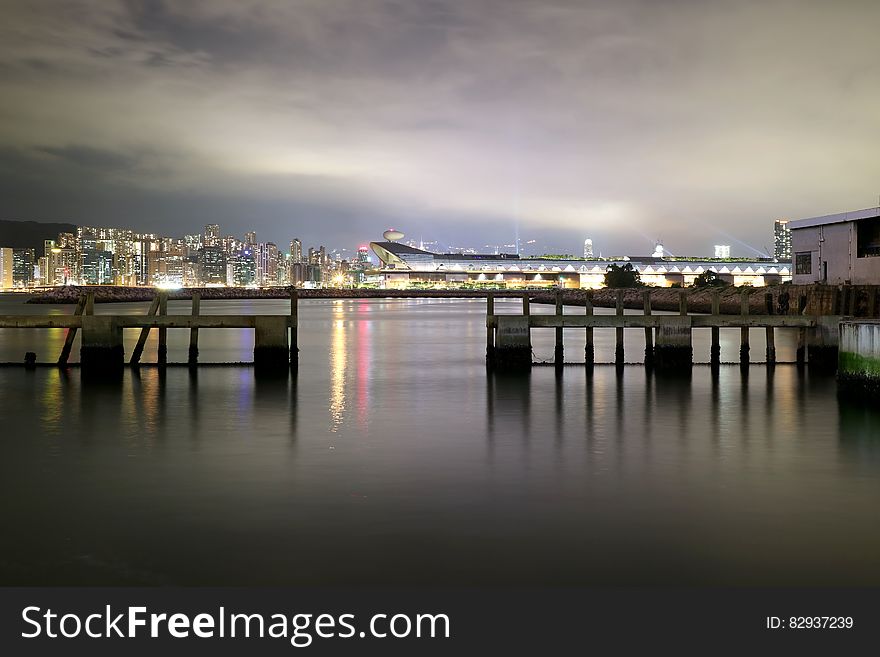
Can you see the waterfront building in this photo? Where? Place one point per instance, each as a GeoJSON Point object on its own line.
{"type": "Point", "coordinates": [837, 249]}
{"type": "Point", "coordinates": [23, 261]}
{"type": "Point", "coordinates": [782, 240]}
{"type": "Point", "coordinates": [6, 268]}
{"type": "Point", "coordinates": [722, 250]}
{"type": "Point", "coordinates": [403, 266]}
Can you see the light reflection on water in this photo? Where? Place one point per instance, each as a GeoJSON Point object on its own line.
{"type": "Point", "coordinates": [439, 474]}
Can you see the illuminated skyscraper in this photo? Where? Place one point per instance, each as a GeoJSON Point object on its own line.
{"type": "Point", "coordinates": [722, 250]}
{"type": "Point", "coordinates": [781, 240]}
{"type": "Point", "coordinates": [212, 235]}
{"type": "Point", "coordinates": [296, 251]}
{"type": "Point", "coordinates": [588, 248]}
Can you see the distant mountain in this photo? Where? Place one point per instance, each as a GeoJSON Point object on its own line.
{"type": "Point", "coordinates": [30, 234]}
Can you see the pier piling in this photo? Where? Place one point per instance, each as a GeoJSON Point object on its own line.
{"type": "Point", "coordinates": [744, 331]}
{"type": "Point", "coordinates": [71, 332]}
{"type": "Point", "coordinates": [558, 351]}
{"type": "Point", "coordinates": [589, 346]}
{"type": "Point", "coordinates": [193, 358]}
{"type": "Point", "coordinates": [490, 329]}
{"type": "Point", "coordinates": [162, 356]}
{"type": "Point", "coordinates": [145, 333]}
{"type": "Point", "coordinates": [618, 332]}
{"type": "Point", "coordinates": [271, 345]}
{"type": "Point", "coordinates": [101, 352]}
{"type": "Point", "coordinates": [715, 349]}
{"type": "Point", "coordinates": [649, 332]}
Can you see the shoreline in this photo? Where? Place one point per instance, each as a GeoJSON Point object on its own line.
{"type": "Point", "coordinates": [662, 299]}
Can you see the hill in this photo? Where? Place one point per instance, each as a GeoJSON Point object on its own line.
{"type": "Point", "coordinates": [30, 234]}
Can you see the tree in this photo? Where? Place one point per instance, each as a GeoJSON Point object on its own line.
{"type": "Point", "coordinates": [709, 279]}
{"type": "Point", "coordinates": [622, 276]}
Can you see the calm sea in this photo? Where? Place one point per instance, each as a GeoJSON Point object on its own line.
{"type": "Point", "coordinates": [392, 458]}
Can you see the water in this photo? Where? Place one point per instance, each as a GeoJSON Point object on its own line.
{"type": "Point", "coordinates": [391, 458]}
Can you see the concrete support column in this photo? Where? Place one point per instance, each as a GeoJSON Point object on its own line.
{"type": "Point", "coordinates": [513, 343]}
{"type": "Point", "coordinates": [102, 351]}
{"type": "Point", "coordinates": [673, 349]}
{"type": "Point", "coordinates": [822, 344]}
{"type": "Point", "coordinates": [271, 345]}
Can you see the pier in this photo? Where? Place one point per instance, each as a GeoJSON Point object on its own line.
{"type": "Point", "coordinates": [668, 338]}
{"type": "Point", "coordinates": [102, 350]}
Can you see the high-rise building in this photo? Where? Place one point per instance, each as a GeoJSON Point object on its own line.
{"type": "Point", "coordinates": [722, 250]}
{"type": "Point", "coordinates": [6, 267]}
{"type": "Point", "coordinates": [212, 235]}
{"type": "Point", "coordinates": [250, 238]}
{"type": "Point", "coordinates": [244, 267]}
{"type": "Point", "coordinates": [96, 267]}
{"type": "Point", "coordinates": [588, 248]}
{"type": "Point", "coordinates": [781, 240]}
{"type": "Point", "coordinates": [296, 251]}
{"type": "Point", "coordinates": [212, 265]}
{"type": "Point", "coordinates": [266, 257]}
{"type": "Point", "coordinates": [363, 256]}
{"type": "Point", "coordinates": [23, 262]}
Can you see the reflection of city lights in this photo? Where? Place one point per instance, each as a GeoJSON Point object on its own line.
{"type": "Point", "coordinates": [168, 286]}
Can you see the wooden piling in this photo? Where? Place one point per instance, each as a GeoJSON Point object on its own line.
{"type": "Point", "coordinates": [71, 332]}
{"type": "Point", "coordinates": [162, 356]}
{"type": "Point", "coordinates": [490, 329]}
{"type": "Point", "coordinates": [683, 302]}
{"type": "Point", "coordinates": [744, 331]}
{"type": "Point", "coordinates": [90, 303]}
{"type": "Point", "coordinates": [649, 332]}
{"type": "Point", "coordinates": [801, 353]}
{"type": "Point", "coordinates": [771, 346]}
{"type": "Point", "coordinates": [715, 349]}
{"type": "Point", "coordinates": [589, 346]}
{"type": "Point", "coordinates": [145, 333]}
{"type": "Point", "coordinates": [294, 327]}
{"type": "Point", "coordinates": [618, 348]}
{"type": "Point", "coordinates": [558, 351]}
{"type": "Point", "coordinates": [194, 332]}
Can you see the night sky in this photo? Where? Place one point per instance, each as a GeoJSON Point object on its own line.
{"type": "Point", "coordinates": [696, 122]}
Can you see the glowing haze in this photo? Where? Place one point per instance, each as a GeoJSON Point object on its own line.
{"type": "Point", "coordinates": [332, 120]}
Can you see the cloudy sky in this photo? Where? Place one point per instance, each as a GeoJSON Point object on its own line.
{"type": "Point", "coordinates": [697, 122]}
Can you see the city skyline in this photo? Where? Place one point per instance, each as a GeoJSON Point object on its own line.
{"type": "Point", "coordinates": [629, 123]}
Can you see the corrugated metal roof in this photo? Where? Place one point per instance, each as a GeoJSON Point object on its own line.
{"type": "Point", "coordinates": [839, 218]}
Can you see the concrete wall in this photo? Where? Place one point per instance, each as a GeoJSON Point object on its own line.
{"type": "Point", "coordinates": [859, 358]}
